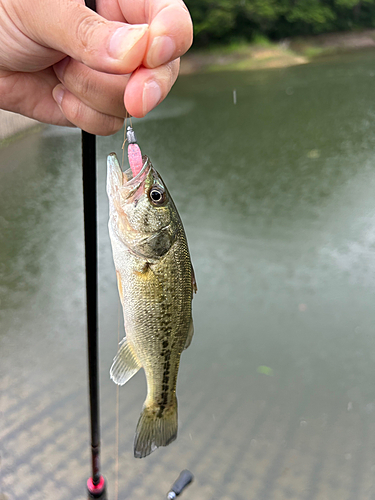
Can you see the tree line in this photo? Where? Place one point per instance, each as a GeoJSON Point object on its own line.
{"type": "Point", "coordinates": [237, 20]}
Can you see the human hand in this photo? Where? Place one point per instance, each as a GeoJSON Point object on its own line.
{"type": "Point", "coordinates": [62, 63]}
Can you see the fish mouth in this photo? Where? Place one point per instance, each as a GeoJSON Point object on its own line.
{"type": "Point", "coordinates": [128, 176]}
{"type": "Point", "coordinates": [119, 178]}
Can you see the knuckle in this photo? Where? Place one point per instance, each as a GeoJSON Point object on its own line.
{"type": "Point", "coordinates": [84, 86]}
{"type": "Point", "coordinates": [77, 79]}
{"type": "Point", "coordinates": [86, 29]}
{"type": "Point", "coordinates": [76, 112]}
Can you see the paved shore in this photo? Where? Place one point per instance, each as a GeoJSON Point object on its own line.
{"type": "Point", "coordinates": [12, 123]}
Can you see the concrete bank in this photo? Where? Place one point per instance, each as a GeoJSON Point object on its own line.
{"type": "Point", "coordinates": [12, 124]}
{"type": "Point", "coordinates": [288, 52]}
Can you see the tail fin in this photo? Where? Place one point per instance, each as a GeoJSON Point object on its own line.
{"type": "Point", "coordinates": [156, 427]}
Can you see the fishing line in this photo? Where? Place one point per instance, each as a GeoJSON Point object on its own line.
{"type": "Point", "coordinates": [124, 142]}
{"type": "Point", "coordinates": [117, 412]}
{"type": "Point", "coordinates": [96, 485]}
{"type": "Point", "coordinates": [125, 138]}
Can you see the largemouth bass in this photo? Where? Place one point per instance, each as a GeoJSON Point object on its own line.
{"type": "Point", "coordinates": [155, 283]}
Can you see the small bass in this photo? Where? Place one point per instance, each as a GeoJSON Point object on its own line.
{"type": "Point", "coordinates": [155, 283]}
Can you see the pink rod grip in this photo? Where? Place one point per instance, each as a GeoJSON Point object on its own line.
{"type": "Point", "coordinates": [95, 488]}
{"type": "Point", "coordinates": [135, 158]}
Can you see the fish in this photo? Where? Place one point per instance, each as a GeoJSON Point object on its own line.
{"type": "Point", "coordinates": [156, 283]}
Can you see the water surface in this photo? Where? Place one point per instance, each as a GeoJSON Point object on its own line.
{"type": "Point", "coordinates": [277, 197]}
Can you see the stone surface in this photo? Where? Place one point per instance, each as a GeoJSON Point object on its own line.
{"type": "Point", "coordinates": [12, 123]}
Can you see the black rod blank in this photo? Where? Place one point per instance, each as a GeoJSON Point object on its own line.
{"type": "Point", "coordinates": [96, 483]}
{"type": "Point", "coordinates": [90, 224]}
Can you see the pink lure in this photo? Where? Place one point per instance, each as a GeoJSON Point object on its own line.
{"type": "Point", "coordinates": [135, 158]}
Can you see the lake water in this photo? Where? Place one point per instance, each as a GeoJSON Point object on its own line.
{"type": "Point", "coordinates": [277, 391]}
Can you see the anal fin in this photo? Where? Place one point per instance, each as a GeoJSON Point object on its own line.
{"type": "Point", "coordinates": [125, 364]}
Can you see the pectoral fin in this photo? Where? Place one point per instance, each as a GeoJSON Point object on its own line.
{"type": "Point", "coordinates": [190, 334]}
{"type": "Point", "coordinates": [125, 364]}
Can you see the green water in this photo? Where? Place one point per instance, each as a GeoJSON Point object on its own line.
{"type": "Point", "coordinates": [277, 195]}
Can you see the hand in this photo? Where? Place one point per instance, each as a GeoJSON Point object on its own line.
{"type": "Point", "coordinates": [62, 63]}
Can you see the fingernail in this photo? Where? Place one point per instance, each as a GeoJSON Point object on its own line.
{"type": "Point", "coordinates": [151, 96]}
{"type": "Point", "coordinates": [59, 67]}
{"type": "Point", "coordinates": [58, 94]}
{"type": "Point", "coordinates": [124, 39]}
{"type": "Point", "coordinates": [161, 51]}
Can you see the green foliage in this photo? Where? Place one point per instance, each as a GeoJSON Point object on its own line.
{"type": "Point", "coordinates": [229, 20]}
{"type": "Point", "coordinates": [311, 13]}
{"type": "Point", "coordinates": [262, 41]}
{"type": "Point", "coordinates": [212, 19]}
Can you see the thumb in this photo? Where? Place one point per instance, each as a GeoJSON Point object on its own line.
{"type": "Point", "coordinates": [73, 29]}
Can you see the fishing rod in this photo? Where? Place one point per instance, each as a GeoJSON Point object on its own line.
{"type": "Point", "coordinates": [96, 485]}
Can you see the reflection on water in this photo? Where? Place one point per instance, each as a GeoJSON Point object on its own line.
{"type": "Point", "coordinates": [276, 393]}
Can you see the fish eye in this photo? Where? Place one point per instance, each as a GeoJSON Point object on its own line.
{"type": "Point", "coordinates": [157, 195]}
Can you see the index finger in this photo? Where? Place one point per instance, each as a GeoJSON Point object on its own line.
{"type": "Point", "coordinates": [170, 25]}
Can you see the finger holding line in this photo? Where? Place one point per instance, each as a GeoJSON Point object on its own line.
{"type": "Point", "coordinates": [148, 87]}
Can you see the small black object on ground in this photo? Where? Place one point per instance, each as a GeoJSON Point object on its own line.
{"type": "Point", "coordinates": [183, 480]}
